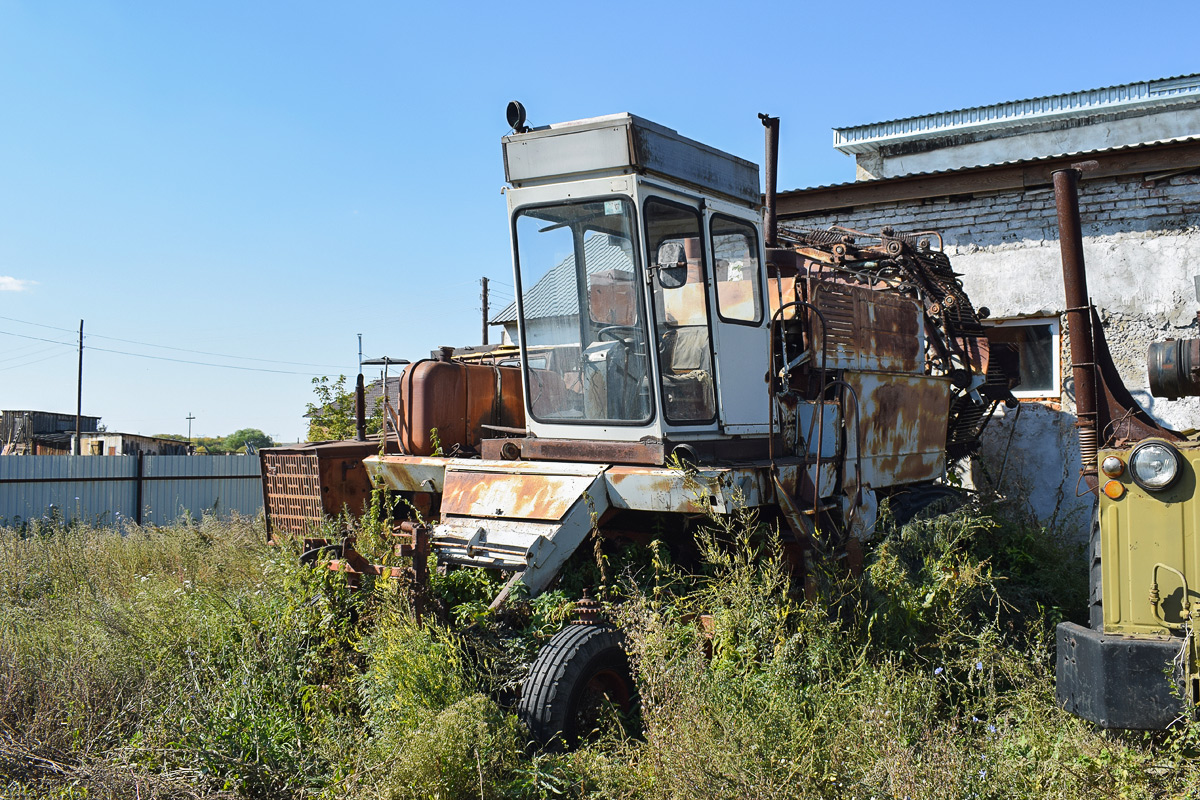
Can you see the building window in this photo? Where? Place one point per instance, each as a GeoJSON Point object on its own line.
{"type": "Point", "coordinates": [1037, 341]}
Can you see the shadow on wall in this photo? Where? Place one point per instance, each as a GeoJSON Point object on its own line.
{"type": "Point", "coordinates": [1040, 479]}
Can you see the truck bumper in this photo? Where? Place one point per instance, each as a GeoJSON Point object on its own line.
{"type": "Point", "coordinates": [1120, 681]}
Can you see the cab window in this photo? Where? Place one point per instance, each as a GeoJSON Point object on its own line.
{"type": "Point", "coordinates": [674, 239]}
{"type": "Point", "coordinates": [736, 270]}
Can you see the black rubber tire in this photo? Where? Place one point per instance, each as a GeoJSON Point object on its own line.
{"type": "Point", "coordinates": [582, 668]}
{"type": "Point", "coordinates": [926, 502]}
{"type": "Point", "coordinates": [1095, 593]}
{"type": "Point", "coordinates": [311, 557]}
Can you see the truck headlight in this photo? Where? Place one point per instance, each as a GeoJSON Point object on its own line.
{"type": "Point", "coordinates": [1155, 466]}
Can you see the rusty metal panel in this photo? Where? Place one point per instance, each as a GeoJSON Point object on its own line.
{"type": "Point", "coordinates": [903, 430]}
{"type": "Point", "coordinates": [292, 483]}
{"type": "Point", "coordinates": [535, 533]}
{"type": "Point", "coordinates": [475, 493]}
{"type": "Point", "coordinates": [408, 473]}
{"type": "Point", "coordinates": [722, 490]}
{"type": "Point", "coordinates": [782, 290]}
{"type": "Point", "coordinates": [867, 329]}
{"type": "Point", "coordinates": [650, 451]}
{"type": "Point", "coordinates": [836, 337]}
{"type": "Point", "coordinates": [661, 489]}
{"type": "Point", "coordinates": [427, 473]}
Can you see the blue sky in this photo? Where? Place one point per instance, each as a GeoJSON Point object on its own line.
{"type": "Point", "coordinates": [266, 180]}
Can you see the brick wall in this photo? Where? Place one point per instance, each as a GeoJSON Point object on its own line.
{"type": "Point", "coordinates": [1106, 205]}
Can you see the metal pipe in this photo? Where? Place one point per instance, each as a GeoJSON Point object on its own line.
{"type": "Point", "coordinates": [820, 409]}
{"type": "Point", "coordinates": [360, 409]}
{"type": "Point", "coordinates": [78, 448]}
{"type": "Point", "coordinates": [770, 224]}
{"type": "Point", "coordinates": [1079, 323]}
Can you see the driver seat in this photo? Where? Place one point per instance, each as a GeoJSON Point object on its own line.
{"type": "Point", "coordinates": [686, 362]}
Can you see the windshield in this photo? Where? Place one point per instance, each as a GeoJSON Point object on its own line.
{"type": "Point", "coordinates": [582, 311]}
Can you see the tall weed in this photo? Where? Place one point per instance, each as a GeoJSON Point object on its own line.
{"type": "Point", "coordinates": [196, 661]}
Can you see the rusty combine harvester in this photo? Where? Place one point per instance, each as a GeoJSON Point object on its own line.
{"type": "Point", "coordinates": [680, 358]}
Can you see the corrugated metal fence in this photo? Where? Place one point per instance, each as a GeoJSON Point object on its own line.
{"type": "Point", "coordinates": [149, 489]}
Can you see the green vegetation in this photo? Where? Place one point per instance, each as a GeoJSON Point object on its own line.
{"type": "Point", "coordinates": [331, 417]}
{"type": "Point", "coordinates": [235, 442]}
{"type": "Point", "coordinates": [196, 661]}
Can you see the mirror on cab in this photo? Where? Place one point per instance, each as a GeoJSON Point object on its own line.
{"type": "Point", "coordinates": [671, 265]}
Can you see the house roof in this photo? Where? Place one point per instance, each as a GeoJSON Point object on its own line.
{"type": "Point", "coordinates": [553, 295]}
{"type": "Point", "coordinates": [373, 392]}
{"type": "Point", "coordinates": [1180, 154]}
{"type": "Point", "coordinates": [1017, 113]}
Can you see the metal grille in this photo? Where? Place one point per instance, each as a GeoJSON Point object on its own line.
{"type": "Point", "coordinates": [293, 493]}
{"type": "Point", "coordinates": [837, 336]}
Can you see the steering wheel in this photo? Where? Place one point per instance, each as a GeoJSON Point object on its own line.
{"type": "Point", "coordinates": [618, 333]}
{"type": "Point", "coordinates": [631, 341]}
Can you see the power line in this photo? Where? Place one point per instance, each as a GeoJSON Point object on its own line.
{"type": "Point", "coordinates": [169, 347]}
{"type": "Point", "coordinates": [37, 338]}
{"type": "Point", "coordinates": [167, 358]}
{"type": "Point", "coordinates": [59, 354]}
{"type": "Point", "coordinates": [19, 355]}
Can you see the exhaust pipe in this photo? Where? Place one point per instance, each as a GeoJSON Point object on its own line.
{"type": "Point", "coordinates": [1079, 313]}
{"type": "Point", "coordinates": [770, 224]}
{"type": "Point", "coordinates": [360, 410]}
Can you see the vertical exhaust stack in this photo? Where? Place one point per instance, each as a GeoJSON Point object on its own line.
{"type": "Point", "coordinates": [1079, 316]}
{"type": "Point", "coordinates": [360, 410]}
{"type": "Point", "coordinates": [770, 223]}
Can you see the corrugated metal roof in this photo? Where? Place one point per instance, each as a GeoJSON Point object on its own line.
{"type": "Point", "coordinates": [1016, 162]}
{"type": "Point", "coordinates": [865, 138]}
{"type": "Point", "coordinates": [554, 294]}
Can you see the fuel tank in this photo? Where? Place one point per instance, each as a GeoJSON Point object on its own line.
{"type": "Point", "coordinates": [449, 403]}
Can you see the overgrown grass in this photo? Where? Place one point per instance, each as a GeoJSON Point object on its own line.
{"type": "Point", "coordinates": [196, 661]}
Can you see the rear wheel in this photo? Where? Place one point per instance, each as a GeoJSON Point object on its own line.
{"type": "Point", "coordinates": [579, 677]}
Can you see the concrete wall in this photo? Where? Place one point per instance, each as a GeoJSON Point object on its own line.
{"type": "Point", "coordinates": [1142, 246]}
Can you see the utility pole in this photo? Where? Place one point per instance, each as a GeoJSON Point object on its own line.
{"type": "Point", "coordinates": [189, 418]}
{"type": "Point", "coordinates": [485, 311]}
{"type": "Point", "coordinates": [360, 353]}
{"type": "Point", "coordinates": [79, 396]}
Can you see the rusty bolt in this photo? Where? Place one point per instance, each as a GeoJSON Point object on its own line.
{"type": "Point", "coordinates": [588, 611]}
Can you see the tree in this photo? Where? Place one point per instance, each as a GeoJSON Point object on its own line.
{"type": "Point", "coordinates": [331, 418]}
{"type": "Point", "coordinates": [217, 445]}
{"type": "Point", "coordinates": [251, 437]}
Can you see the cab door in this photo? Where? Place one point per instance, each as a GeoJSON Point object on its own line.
{"type": "Point", "coordinates": [739, 323]}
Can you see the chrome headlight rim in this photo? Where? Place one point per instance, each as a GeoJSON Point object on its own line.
{"type": "Point", "coordinates": [1169, 449]}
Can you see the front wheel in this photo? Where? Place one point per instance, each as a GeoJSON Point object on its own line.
{"type": "Point", "coordinates": [578, 676]}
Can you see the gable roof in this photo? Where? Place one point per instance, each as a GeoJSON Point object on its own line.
{"type": "Point", "coordinates": [553, 295]}
{"type": "Point", "coordinates": [1016, 113]}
